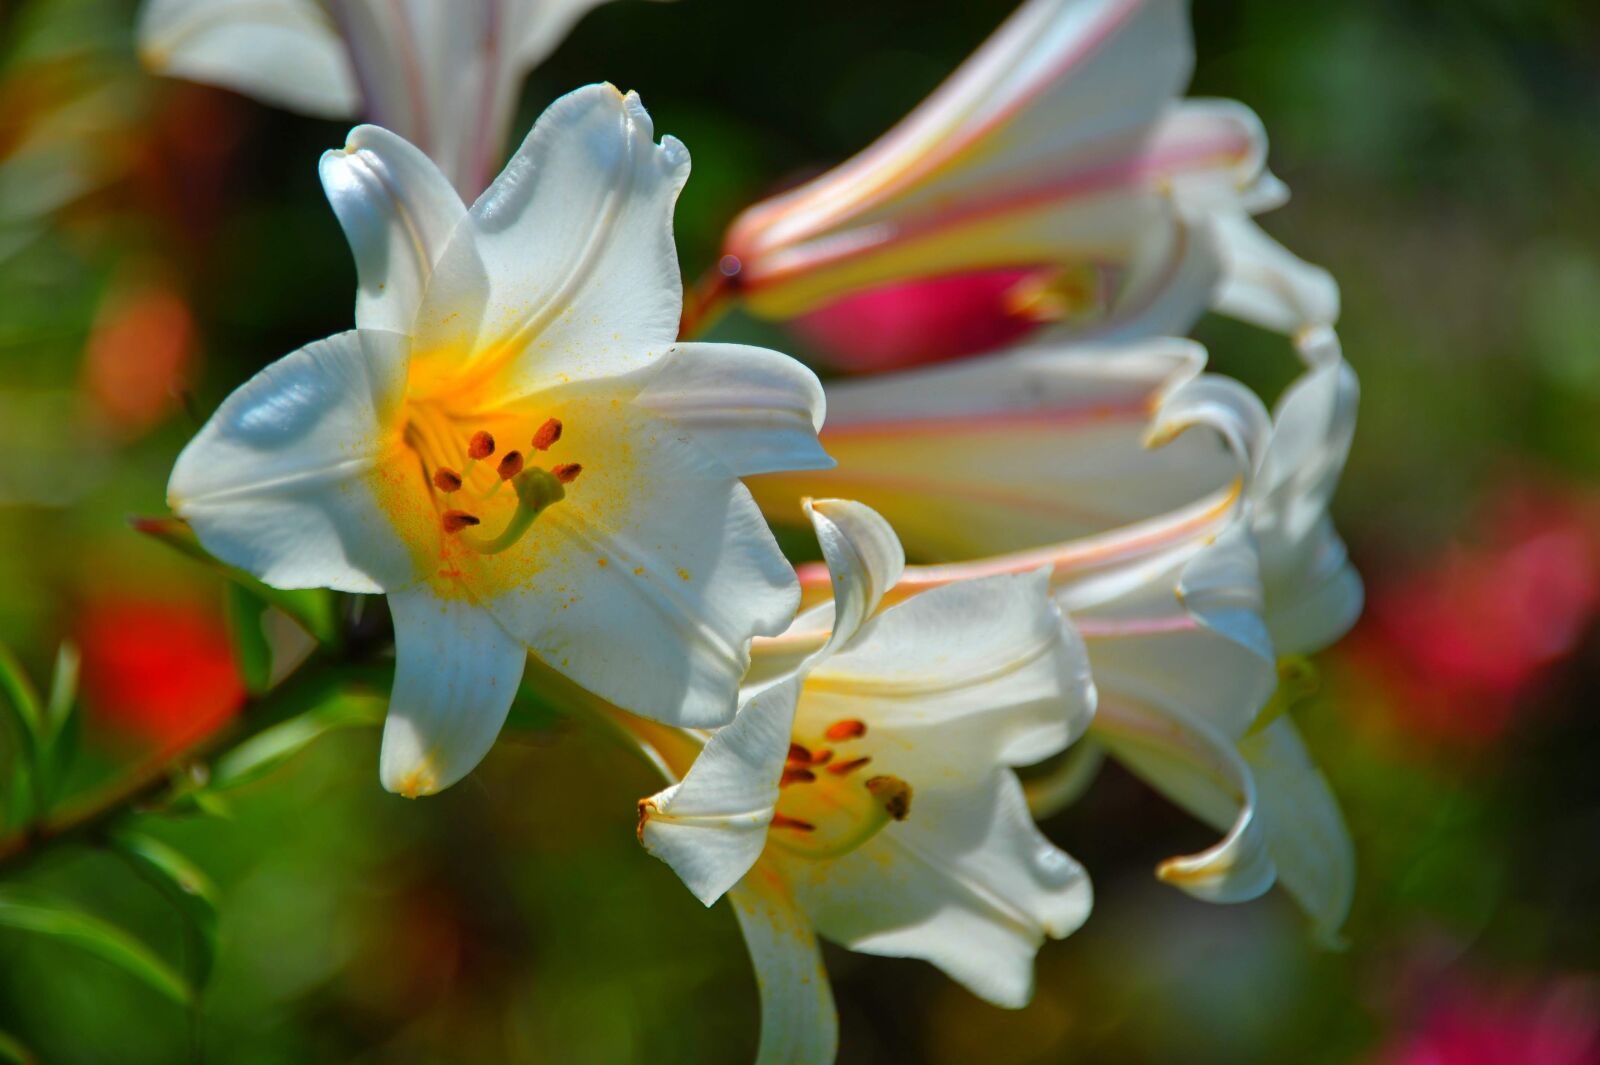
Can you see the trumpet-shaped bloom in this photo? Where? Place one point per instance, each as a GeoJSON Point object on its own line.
{"type": "Point", "coordinates": [866, 795]}
{"type": "Point", "coordinates": [443, 75]}
{"type": "Point", "coordinates": [511, 445]}
{"type": "Point", "coordinates": [1061, 147]}
{"type": "Point", "coordinates": [1187, 567]}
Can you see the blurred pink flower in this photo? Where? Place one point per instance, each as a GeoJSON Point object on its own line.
{"type": "Point", "coordinates": [1557, 1023]}
{"type": "Point", "coordinates": [1461, 643]}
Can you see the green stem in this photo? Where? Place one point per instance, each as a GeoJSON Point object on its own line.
{"type": "Point", "coordinates": [87, 819]}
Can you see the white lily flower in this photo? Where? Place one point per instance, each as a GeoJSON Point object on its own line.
{"type": "Point", "coordinates": [866, 795]}
{"type": "Point", "coordinates": [511, 446]}
{"type": "Point", "coordinates": [1062, 146]}
{"type": "Point", "coordinates": [1187, 568]}
{"type": "Point", "coordinates": [444, 75]}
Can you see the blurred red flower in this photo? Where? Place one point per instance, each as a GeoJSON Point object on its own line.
{"type": "Point", "coordinates": [161, 671]}
{"type": "Point", "coordinates": [916, 322]}
{"type": "Point", "coordinates": [1459, 644]}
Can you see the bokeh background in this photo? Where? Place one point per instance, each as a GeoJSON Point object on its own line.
{"type": "Point", "coordinates": [160, 241]}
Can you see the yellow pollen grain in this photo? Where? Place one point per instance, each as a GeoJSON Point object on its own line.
{"type": "Point", "coordinates": [601, 562]}
{"type": "Point", "coordinates": [683, 574]}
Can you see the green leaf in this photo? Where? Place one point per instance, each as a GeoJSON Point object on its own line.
{"type": "Point", "coordinates": [60, 739]}
{"type": "Point", "coordinates": [98, 937]}
{"type": "Point", "coordinates": [187, 886]}
{"type": "Point", "coordinates": [251, 649]}
{"type": "Point", "coordinates": [23, 698]}
{"type": "Point", "coordinates": [269, 749]}
{"type": "Point", "coordinates": [12, 1052]}
{"type": "Point", "coordinates": [313, 608]}
{"type": "Point", "coordinates": [63, 689]}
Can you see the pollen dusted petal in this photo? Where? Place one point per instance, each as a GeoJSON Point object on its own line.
{"type": "Point", "coordinates": [547, 434]}
{"type": "Point", "coordinates": [510, 466]}
{"type": "Point", "coordinates": [481, 446]}
{"type": "Point", "coordinates": [446, 480]}
{"type": "Point", "coordinates": [848, 729]}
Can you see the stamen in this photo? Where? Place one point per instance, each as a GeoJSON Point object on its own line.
{"type": "Point", "coordinates": [567, 472]}
{"type": "Point", "coordinates": [840, 769]}
{"type": "Point", "coordinates": [848, 729]}
{"type": "Point", "coordinates": [798, 753]}
{"type": "Point", "coordinates": [784, 821]}
{"type": "Point", "coordinates": [481, 446]}
{"type": "Point", "coordinates": [796, 776]}
{"type": "Point", "coordinates": [536, 490]}
{"type": "Point", "coordinates": [893, 793]}
{"type": "Point", "coordinates": [547, 434]}
{"type": "Point", "coordinates": [456, 520]}
{"type": "Point", "coordinates": [510, 466]}
{"type": "Point", "coordinates": [446, 480]}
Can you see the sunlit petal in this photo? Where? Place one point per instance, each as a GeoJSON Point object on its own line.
{"type": "Point", "coordinates": [565, 268]}
{"type": "Point", "coordinates": [799, 1025]}
{"type": "Point", "coordinates": [275, 482]}
{"type": "Point", "coordinates": [456, 672]}
{"type": "Point", "coordinates": [398, 211]}
{"type": "Point", "coordinates": [286, 52]}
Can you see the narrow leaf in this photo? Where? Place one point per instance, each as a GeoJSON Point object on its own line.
{"type": "Point", "coordinates": [96, 936]}
{"type": "Point", "coordinates": [63, 689]}
{"type": "Point", "coordinates": [266, 751]}
{"type": "Point", "coordinates": [313, 608]}
{"type": "Point", "coordinates": [23, 698]}
{"type": "Point", "coordinates": [189, 888]}
{"type": "Point", "coordinates": [251, 650]}
{"type": "Point", "coordinates": [12, 1052]}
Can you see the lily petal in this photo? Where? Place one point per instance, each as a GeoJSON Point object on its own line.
{"type": "Point", "coordinates": [1313, 593]}
{"type": "Point", "coordinates": [456, 672]}
{"type": "Point", "coordinates": [1306, 834]}
{"type": "Point", "coordinates": [286, 52]}
{"type": "Point", "coordinates": [756, 409]}
{"type": "Point", "coordinates": [1015, 689]}
{"type": "Point", "coordinates": [966, 882]}
{"type": "Point", "coordinates": [1198, 768]}
{"type": "Point", "coordinates": [1267, 284]}
{"type": "Point", "coordinates": [1015, 451]}
{"type": "Point", "coordinates": [656, 541]}
{"type": "Point", "coordinates": [275, 481]}
{"type": "Point", "coordinates": [1203, 653]}
{"type": "Point", "coordinates": [398, 211]}
{"type": "Point", "coordinates": [712, 825]}
{"type": "Point", "coordinates": [799, 1024]}
{"type": "Point", "coordinates": [865, 559]}
{"type": "Point", "coordinates": [565, 268]}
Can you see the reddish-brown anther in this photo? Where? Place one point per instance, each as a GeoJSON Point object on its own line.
{"type": "Point", "coordinates": [456, 520]}
{"type": "Point", "coordinates": [841, 768]}
{"type": "Point", "coordinates": [547, 434]}
{"type": "Point", "coordinates": [446, 480]}
{"type": "Point", "coordinates": [510, 466]}
{"type": "Point", "coordinates": [567, 472]}
{"type": "Point", "coordinates": [481, 446]}
{"type": "Point", "coordinates": [848, 729]}
{"type": "Point", "coordinates": [784, 821]}
{"type": "Point", "coordinates": [794, 775]}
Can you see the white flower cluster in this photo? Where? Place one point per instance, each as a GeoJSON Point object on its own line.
{"type": "Point", "coordinates": [1115, 547]}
